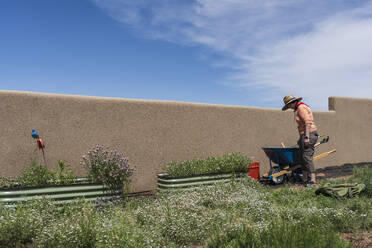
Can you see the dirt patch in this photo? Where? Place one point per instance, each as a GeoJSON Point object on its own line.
{"type": "Point", "coordinates": [340, 170]}
{"type": "Point", "coordinates": [360, 240]}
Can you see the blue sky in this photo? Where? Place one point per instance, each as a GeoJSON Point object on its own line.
{"type": "Point", "coordinates": [235, 52]}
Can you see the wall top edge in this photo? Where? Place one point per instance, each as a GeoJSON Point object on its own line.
{"type": "Point", "coordinates": [335, 102]}
{"type": "Point", "coordinates": [118, 99]}
{"type": "Point", "coordinates": [323, 111]}
{"type": "Point", "coordinates": [111, 99]}
{"type": "Point", "coordinates": [350, 98]}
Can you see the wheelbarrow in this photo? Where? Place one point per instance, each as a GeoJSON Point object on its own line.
{"type": "Point", "coordinates": [287, 160]}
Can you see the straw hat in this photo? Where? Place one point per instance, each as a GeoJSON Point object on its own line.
{"type": "Point", "coordinates": [288, 100]}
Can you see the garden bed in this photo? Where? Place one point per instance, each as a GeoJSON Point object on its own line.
{"type": "Point", "coordinates": [197, 172]}
{"type": "Point", "coordinates": [107, 176]}
{"type": "Point", "coordinates": [78, 188]}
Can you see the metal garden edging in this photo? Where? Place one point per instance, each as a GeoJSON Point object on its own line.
{"type": "Point", "coordinates": [59, 193]}
{"type": "Point", "coordinates": [165, 182]}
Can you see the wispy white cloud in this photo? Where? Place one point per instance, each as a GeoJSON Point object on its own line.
{"type": "Point", "coordinates": [310, 48]}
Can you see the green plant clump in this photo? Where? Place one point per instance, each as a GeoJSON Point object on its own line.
{"type": "Point", "coordinates": [35, 175]}
{"type": "Point", "coordinates": [6, 182]}
{"type": "Point", "coordinates": [228, 163]}
{"type": "Point", "coordinates": [64, 175]}
{"type": "Point", "coordinates": [19, 225]}
{"type": "Point", "coordinates": [40, 175]}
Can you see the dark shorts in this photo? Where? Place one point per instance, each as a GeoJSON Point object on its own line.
{"type": "Point", "coordinates": [307, 152]}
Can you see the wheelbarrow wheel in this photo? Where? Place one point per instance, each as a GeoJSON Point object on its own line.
{"type": "Point", "coordinates": [277, 180]}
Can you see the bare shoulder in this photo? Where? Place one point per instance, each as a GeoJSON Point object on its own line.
{"type": "Point", "coordinates": [301, 108]}
{"type": "Point", "coordinates": [303, 111]}
{"type": "Point", "coordinates": [304, 107]}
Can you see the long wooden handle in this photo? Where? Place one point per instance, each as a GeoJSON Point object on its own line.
{"type": "Point", "coordinates": [323, 155]}
{"type": "Point", "coordinates": [285, 171]}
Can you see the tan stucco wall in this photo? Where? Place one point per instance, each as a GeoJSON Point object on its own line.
{"type": "Point", "coordinates": [152, 133]}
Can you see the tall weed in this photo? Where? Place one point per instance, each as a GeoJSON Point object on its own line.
{"type": "Point", "coordinates": [279, 234]}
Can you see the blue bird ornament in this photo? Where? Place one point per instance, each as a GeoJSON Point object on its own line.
{"type": "Point", "coordinates": [34, 134]}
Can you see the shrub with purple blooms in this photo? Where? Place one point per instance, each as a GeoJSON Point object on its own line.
{"type": "Point", "coordinates": [107, 166]}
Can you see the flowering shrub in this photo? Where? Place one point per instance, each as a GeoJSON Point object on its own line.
{"type": "Point", "coordinates": [108, 167]}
